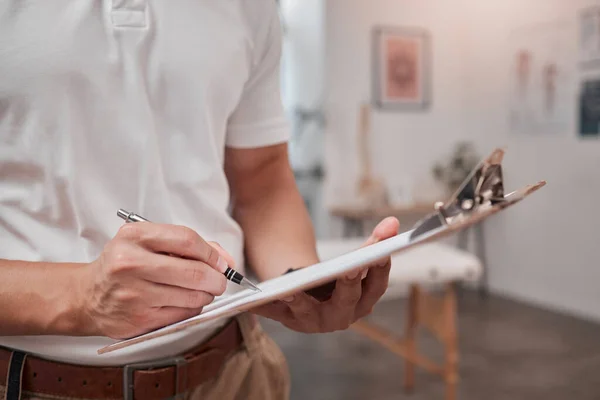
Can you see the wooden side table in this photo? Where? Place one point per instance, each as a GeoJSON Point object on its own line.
{"type": "Point", "coordinates": [354, 217]}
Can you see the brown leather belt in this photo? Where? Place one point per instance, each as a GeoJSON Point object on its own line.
{"type": "Point", "coordinates": [154, 380]}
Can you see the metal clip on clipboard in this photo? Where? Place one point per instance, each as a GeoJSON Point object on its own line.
{"type": "Point", "coordinates": [483, 187]}
{"type": "Point", "coordinates": [480, 194]}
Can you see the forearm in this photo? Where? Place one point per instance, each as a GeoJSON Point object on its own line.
{"type": "Point", "coordinates": [278, 230]}
{"type": "Point", "coordinates": [39, 299]}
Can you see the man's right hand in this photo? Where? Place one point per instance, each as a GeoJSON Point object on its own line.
{"type": "Point", "coordinates": [148, 276]}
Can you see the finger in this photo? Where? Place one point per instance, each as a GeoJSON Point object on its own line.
{"type": "Point", "coordinates": [374, 286]}
{"type": "Point", "coordinates": [183, 273]}
{"type": "Point", "coordinates": [173, 239]}
{"type": "Point", "coordinates": [276, 310]}
{"type": "Point", "coordinates": [304, 309]}
{"type": "Point", "coordinates": [343, 302]}
{"type": "Point", "coordinates": [280, 312]}
{"type": "Point", "coordinates": [223, 253]}
{"type": "Point", "coordinates": [385, 229]}
{"type": "Point", "coordinates": [171, 296]}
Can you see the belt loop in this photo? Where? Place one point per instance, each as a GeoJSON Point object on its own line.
{"type": "Point", "coordinates": [181, 382]}
{"type": "Point", "coordinates": [14, 379]}
{"type": "Point", "coordinates": [250, 328]}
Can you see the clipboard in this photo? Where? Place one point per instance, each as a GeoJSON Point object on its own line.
{"type": "Point", "coordinates": [480, 196]}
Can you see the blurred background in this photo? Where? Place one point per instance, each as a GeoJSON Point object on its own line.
{"type": "Point", "coordinates": [390, 102]}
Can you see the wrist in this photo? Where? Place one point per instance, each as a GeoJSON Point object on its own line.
{"type": "Point", "coordinates": [69, 306]}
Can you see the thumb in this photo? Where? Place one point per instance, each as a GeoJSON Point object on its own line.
{"type": "Point", "coordinates": [228, 258]}
{"type": "Point", "coordinates": [384, 230]}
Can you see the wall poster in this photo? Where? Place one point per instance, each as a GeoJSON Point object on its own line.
{"type": "Point", "coordinates": [401, 68]}
{"type": "Point", "coordinates": [541, 80]}
{"type": "Point", "coordinates": [589, 37]}
{"type": "Point", "coordinates": [589, 109]}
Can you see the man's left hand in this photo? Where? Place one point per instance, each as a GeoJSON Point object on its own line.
{"type": "Point", "coordinates": [353, 298]}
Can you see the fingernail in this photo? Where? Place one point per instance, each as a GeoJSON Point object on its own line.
{"type": "Point", "coordinates": [289, 299]}
{"type": "Point", "coordinates": [381, 262]}
{"type": "Point", "coordinates": [221, 264]}
{"type": "Point", "coordinates": [352, 275]}
{"type": "Point", "coordinates": [372, 240]}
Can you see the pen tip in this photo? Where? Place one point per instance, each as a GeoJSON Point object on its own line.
{"type": "Point", "coordinates": [248, 284]}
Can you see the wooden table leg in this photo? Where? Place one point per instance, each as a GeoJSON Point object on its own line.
{"type": "Point", "coordinates": [352, 227]}
{"type": "Point", "coordinates": [463, 244]}
{"type": "Point", "coordinates": [480, 241]}
{"type": "Point", "coordinates": [451, 342]}
{"type": "Point", "coordinates": [410, 337]}
{"type": "Point", "coordinates": [347, 227]}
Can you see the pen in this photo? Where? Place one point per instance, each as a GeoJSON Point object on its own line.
{"type": "Point", "coordinates": [229, 273]}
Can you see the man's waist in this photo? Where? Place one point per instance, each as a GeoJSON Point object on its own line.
{"type": "Point", "coordinates": [83, 350]}
{"type": "Point", "coordinates": [159, 378]}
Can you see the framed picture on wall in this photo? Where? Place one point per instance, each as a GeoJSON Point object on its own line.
{"type": "Point", "coordinates": [589, 109]}
{"type": "Point", "coordinates": [589, 36]}
{"type": "Point", "coordinates": [401, 68]}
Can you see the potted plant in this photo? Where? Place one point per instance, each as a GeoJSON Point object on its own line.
{"type": "Point", "coordinates": [453, 171]}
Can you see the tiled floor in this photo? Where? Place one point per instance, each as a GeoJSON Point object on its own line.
{"type": "Point", "coordinates": [507, 351]}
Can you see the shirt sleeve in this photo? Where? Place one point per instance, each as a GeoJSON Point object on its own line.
{"type": "Point", "coordinates": [259, 118]}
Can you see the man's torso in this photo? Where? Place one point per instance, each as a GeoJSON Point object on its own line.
{"type": "Point", "coordinates": [116, 104]}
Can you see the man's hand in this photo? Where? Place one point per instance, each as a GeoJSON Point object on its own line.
{"type": "Point", "coordinates": [352, 299]}
{"type": "Point", "coordinates": [148, 276]}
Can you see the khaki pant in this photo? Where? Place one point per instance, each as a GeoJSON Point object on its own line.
{"type": "Point", "coordinates": [258, 371]}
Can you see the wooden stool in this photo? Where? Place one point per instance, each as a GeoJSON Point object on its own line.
{"type": "Point", "coordinates": [429, 264]}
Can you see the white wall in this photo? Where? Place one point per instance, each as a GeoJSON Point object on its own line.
{"type": "Point", "coordinates": [545, 250]}
{"type": "Point", "coordinates": [302, 76]}
{"type": "Point", "coordinates": [405, 144]}
{"type": "Point", "coordinates": [302, 71]}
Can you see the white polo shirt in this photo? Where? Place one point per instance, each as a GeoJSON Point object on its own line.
{"type": "Point", "coordinates": [127, 104]}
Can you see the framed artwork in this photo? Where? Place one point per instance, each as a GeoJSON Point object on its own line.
{"type": "Point", "coordinates": [589, 36]}
{"type": "Point", "coordinates": [542, 80]}
{"type": "Point", "coordinates": [589, 109]}
{"type": "Point", "coordinates": [401, 68]}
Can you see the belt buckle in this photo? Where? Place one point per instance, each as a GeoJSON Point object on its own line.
{"type": "Point", "coordinates": [129, 369]}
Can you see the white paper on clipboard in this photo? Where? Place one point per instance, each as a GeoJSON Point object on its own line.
{"type": "Point", "coordinates": [329, 270]}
